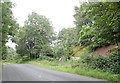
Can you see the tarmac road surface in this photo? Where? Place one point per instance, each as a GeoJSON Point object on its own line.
{"type": "Point", "coordinates": [27, 72]}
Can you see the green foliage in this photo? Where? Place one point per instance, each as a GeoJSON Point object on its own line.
{"type": "Point", "coordinates": [81, 70]}
{"type": "Point", "coordinates": [45, 58]}
{"type": "Point", "coordinates": [106, 63]}
{"type": "Point", "coordinates": [59, 51]}
{"type": "Point", "coordinates": [66, 39]}
{"type": "Point", "coordinates": [8, 24]}
{"type": "Point", "coordinates": [23, 59]}
{"type": "Point", "coordinates": [98, 23]}
{"type": "Point", "coordinates": [36, 38]}
{"type": "Point", "coordinates": [20, 60]}
{"type": "Point", "coordinates": [85, 35]}
{"type": "Point", "coordinates": [11, 54]}
{"type": "Point", "coordinates": [68, 36]}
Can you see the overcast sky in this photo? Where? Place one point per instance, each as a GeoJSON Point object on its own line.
{"type": "Point", "coordinates": [59, 12]}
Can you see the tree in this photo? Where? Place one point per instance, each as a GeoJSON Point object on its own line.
{"type": "Point", "coordinates": [81, 17]}
{"type": "Point", "coordinates": [66, 39]}
{"type": "Point", "coordinates": [11, 54]}
{"type": "Point", "coordinates": [98, 23]}
{"type": "Point", "coordinates": [9, 25]}
{"type": "Point", "coordinates": [38, 36]}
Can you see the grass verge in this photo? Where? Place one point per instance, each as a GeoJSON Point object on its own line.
{"type": "Point", "coordinates": [78, 70]}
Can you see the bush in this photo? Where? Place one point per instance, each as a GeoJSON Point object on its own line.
{"type": "Point", "coordinates": [25, 58]}
{"type": "Point", "coordinates": [45, 58]}
{"type": "Point", "coordinates": [87, 58]}
{"type": "Point", "coordinates": [19, 61]}
{"type": "Point", "coordinates": [22, 59]}
{"type": "Point", "coordinates": [106, 63]}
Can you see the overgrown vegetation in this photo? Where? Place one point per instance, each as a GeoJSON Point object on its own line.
{"type": "Point", "coordinates": [69, 66]}
{"type": "Point", "coordinates": [108, 63]}
{"type": "Point", "coordinates": [97, 25]}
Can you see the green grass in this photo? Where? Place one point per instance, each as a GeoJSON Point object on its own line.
{"type": "Point", "coordinates": [66, 67]}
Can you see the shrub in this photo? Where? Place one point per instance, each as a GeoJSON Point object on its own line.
{"type": "Point", "coordinates": [25, 58]}
{"type": "Point", "coordinates": [45, 58]}
{"type": "Point", "coordinates": [22, 59]}
{"type": "Point", "coordinates": [87, 58]}
{"type": "Point", "coordinates": [19, 61]}
{"type": "Point", "coordinates": [106, 63]}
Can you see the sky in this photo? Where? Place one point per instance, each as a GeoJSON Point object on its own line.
{"type": "Point", "coordinates": [59, 12]}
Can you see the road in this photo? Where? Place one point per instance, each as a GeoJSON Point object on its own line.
{"type": "Point", "coordinates": [27, 72]}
